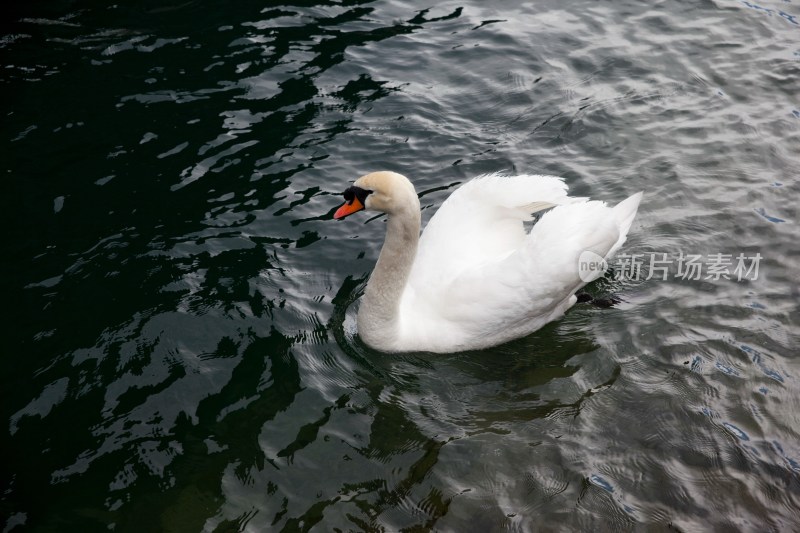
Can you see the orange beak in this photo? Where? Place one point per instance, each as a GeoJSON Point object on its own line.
{"type": "Point", "coordinates": [348, 209]}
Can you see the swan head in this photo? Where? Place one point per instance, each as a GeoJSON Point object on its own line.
{"type": "Point", "coordinates": [387, 192]}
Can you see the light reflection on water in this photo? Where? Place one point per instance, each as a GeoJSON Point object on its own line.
{"type": "Point", "coordinates": [182, 347]}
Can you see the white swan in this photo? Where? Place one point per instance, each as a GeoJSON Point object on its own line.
{"type": "Point", "coordinates": [475, 278]}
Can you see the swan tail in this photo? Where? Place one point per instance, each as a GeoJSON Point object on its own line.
{"type": "Point", "coordinates": [624, 213]}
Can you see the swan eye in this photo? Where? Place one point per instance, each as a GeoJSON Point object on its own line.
{"type": "Point", "coordinates": [353, 192]}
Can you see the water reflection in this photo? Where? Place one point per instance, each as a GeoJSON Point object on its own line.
{"type": "Point", "coordinates": [181, 346]}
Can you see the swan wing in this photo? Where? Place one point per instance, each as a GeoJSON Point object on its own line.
{"type": "Point", "coordinates": [516, 294]}
{"type": "Point", "coordinates": [482, 222]}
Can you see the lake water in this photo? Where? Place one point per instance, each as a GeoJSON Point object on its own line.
{"type": "Point", "coordinates": [180, 351]}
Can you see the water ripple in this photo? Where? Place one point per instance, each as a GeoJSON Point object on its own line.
{"type": "Point", "coordinates": [181, 337]}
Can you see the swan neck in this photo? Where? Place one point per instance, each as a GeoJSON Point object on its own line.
{"type": "Point", "coordinates": [379, 315]}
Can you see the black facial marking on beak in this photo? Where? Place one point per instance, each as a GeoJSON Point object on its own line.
{"type": "Point", "coordinates": [353, 192]}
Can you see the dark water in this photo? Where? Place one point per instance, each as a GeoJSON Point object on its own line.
{"type": "Point", "coordinates": [179, 349]}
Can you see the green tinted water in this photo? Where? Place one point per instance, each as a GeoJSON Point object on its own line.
{"type": "Point", "coordinates": [180, 349]}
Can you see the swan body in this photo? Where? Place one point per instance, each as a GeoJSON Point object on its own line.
{"type": "Point", "coordinates": [475, 278]}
